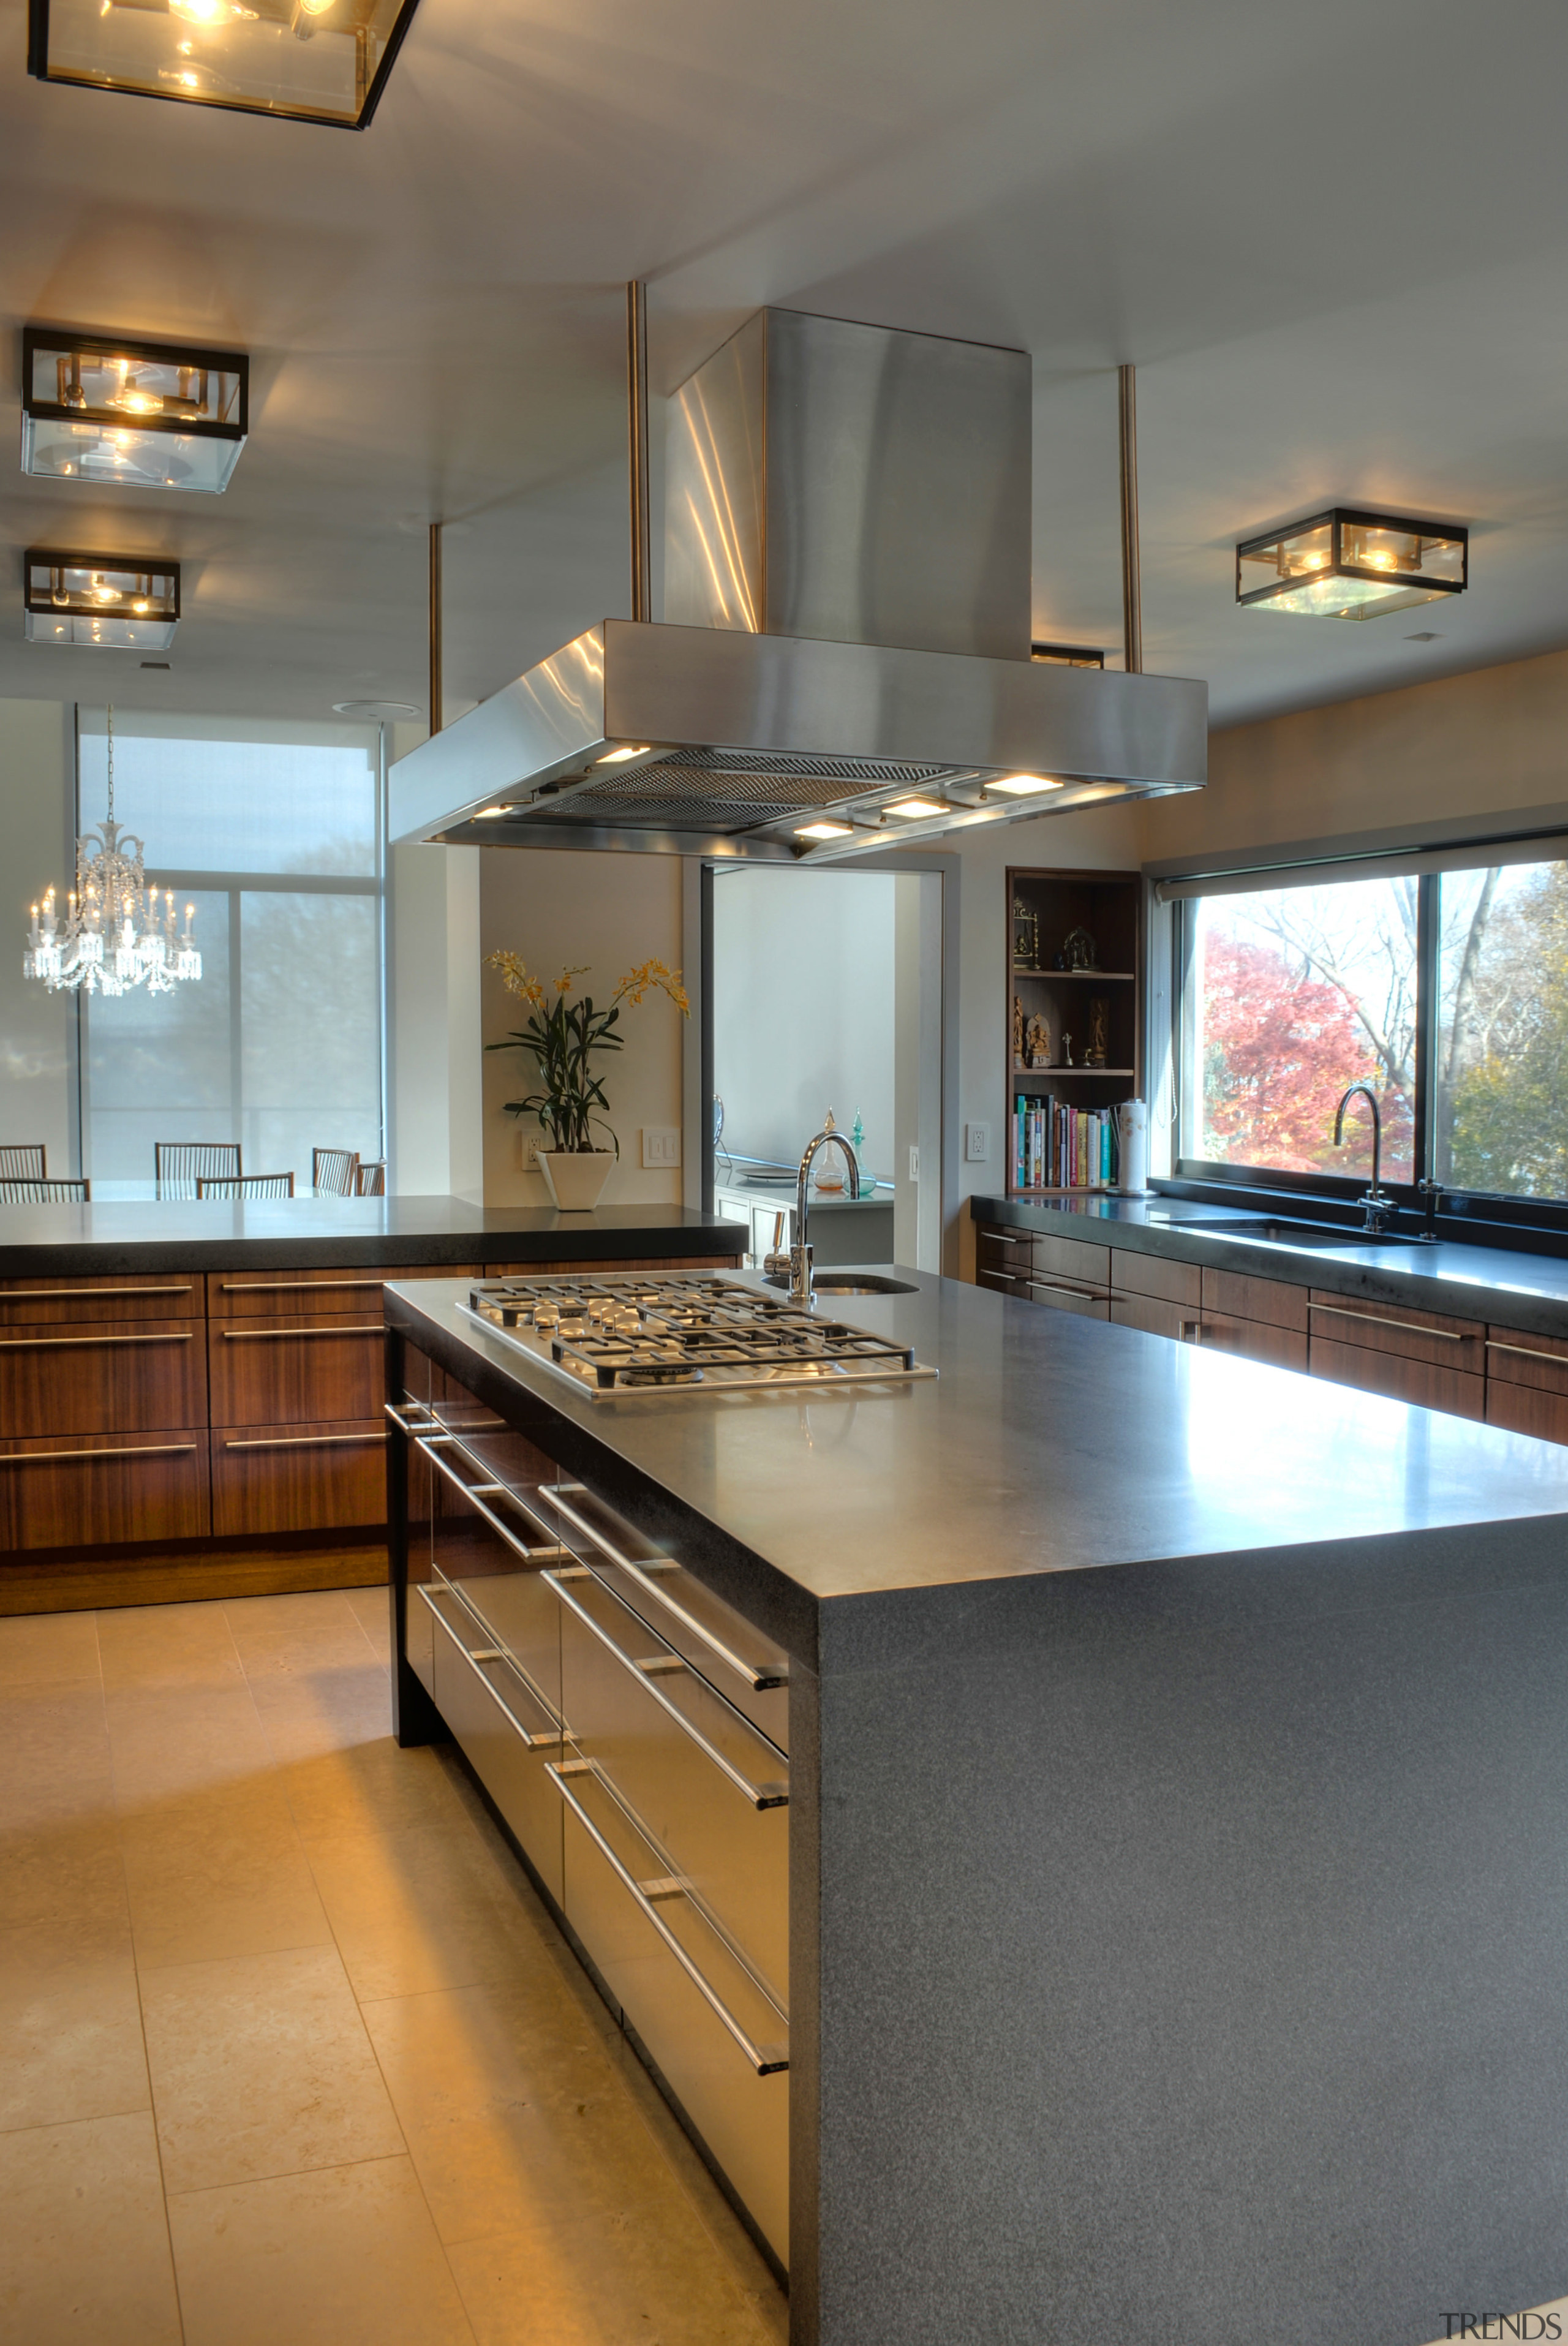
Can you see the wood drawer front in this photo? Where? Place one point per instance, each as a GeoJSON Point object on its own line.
{"type": "Point", "coordinates": [1066, 1295]}
{"type": "Point", "coordinates": [297, 1478]}
{"type": "Point", "coordinates": [1154, 1316]}
{"type": "Point", "coordinates": [45, 1302]}
{"type": "Point", "coordinates": [106, 1379]}
{"type": "Point", "coordinates": [1070, 1258]}
{"type": "Point", "coordinates": [1255, 1339]}
{"type": "Point", "coordinates": [291, 1294]}
{"type": "Point", "coordinates": [1516, 1358]}
{"type": "Point", "coordinates": [1157, 1275]}
{"type": "Point", "coordinates": [1458, 1392]}
{"type": "Point", "coordinates": [1002, 1283]}
{"type": "Point", "coordinates": [1004, 1250]}
{"type": "Point", "coordinates": [1236, 1295]}
{"type": "Point", "coordinates": [312, 1373]}
{"type": "Point", "coordinates": [1432, 1337]}
{"type": "Point", "coordinates": [1525, 1409]}
{"type": "Point", "coordinates": [101, 1488]}
{"type": "Point", "coordinates": [603, 1270]}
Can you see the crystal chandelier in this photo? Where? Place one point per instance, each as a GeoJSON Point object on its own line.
{"type": "Point", "coordinates": [113, 936]}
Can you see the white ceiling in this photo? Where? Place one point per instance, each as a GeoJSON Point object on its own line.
{"type": "Point", "coordinates": [1333, 239]}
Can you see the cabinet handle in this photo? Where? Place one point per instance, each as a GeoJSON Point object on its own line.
{"type": "Point", "coordinates": [1010, 1238]}
{"type": "Point", "coordinates": [1528, 1352]}
{"type": "Point", "coordinates": [1378, 1319]}
{"type": "Point", "coordinates": [136, 1449]}
{"type": "Point", "coordinates": [271, 1335]}
{"type": "Point", "coordinates": [545, 1743]}
{"type": "Point", "coordinates": [1068, 1287]}
{"type": "Point", "coordinates": [59, 1294]}
{"type": "Point", "coordinates": [759, 1678]}
{"type": "Point", "coordinates": [291, 1286]}
{"type": "Point", "coordinates": [1191, 1332]}
{"type": "Point", "coordinates": [761, 1796]}
{"type": "Point", "coordinates": [473, 1493]}
{"type": "Point", "coordinates": [52, 1343]}
{"type": "Point", "coordinates": [307, 1441]}
{"type": "Point", "coordinates": [766, 2061]}
{"type": "Point", "coordinates": [427, 1426]}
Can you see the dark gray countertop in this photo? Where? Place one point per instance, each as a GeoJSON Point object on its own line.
{"type": "Point", "coordinates": [375, 1233]}
{"type": "Point", "coordinates": [1529, 1291]}
{"type": "Point", "coordinates": [1048, 1444]}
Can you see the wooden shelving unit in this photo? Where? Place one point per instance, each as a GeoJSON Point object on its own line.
{"type": "Point", "coordinates": [1110, 906]}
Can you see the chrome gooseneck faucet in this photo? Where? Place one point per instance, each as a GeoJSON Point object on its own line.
{"type": "Point", "coordinates": [800, 1256]}
{"type": "Point", "coordinates": [1375, 1205]}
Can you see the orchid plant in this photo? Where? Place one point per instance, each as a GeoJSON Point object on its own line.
{"type": "Point", "coordinates": [564, 1037]}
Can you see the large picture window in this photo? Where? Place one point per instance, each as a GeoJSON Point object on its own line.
{"type": "Point", "coordinates": [1445, 990]}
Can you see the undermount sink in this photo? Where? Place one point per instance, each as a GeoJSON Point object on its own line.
{"type": "Point", "coordinates": [1263, 1232]}
{"type": "Point", "coordinates": [859, 1283]}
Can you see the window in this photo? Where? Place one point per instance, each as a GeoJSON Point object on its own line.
{"type": "Point", "coordinates": [1292, 992]}
{"type": "Point", "coordinates": [273, 832]}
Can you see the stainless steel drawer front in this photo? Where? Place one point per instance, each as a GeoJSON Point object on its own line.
{"type": "Point", "coordinates": [754, 1674]}
{"type": "Point", "coordinates": [507, 1755]}
{"type": "Point", "coordinates": [476, 1494]}
{"type": "Point", "coordinates": [547, 1738]}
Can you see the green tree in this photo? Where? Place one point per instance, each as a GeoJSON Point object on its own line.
{"type": "Point", "coordinates": [1508, 1093]}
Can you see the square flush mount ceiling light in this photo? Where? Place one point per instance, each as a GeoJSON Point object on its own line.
{"type": "Point", "coordinates": [1352, 566]}
{"type": "Point", "coordinates": [133, 415]}
{"type": "Point", "coordinates": [312, 60]}
{"type": "Point", "coordinates": [113, 602]}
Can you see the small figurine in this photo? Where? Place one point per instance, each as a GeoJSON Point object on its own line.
{"type": "Point", "coordinates": [1039, 1041]}
{"type": "Point", "coordinates": [1099, 1032]}
{"type": "Point", "coordinates": [1025, 935]}
{"type": "Point", "coordinates": [1066, 1049]}
{"type": "Point", "coordinates": [1081, 950]}
{"type": "Point", "coordinates": [1017, 1032]}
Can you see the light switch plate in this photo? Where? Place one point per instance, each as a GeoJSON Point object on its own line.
{"type": "Point", "coordinates": [976, 1143]}
{"type": "Point", "coordinates": [661, 1144]}
{"type": "Point", "coordinates": [914, 1162]}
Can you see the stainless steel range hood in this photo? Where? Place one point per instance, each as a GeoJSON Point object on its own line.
{"type": "Point", "coordinates": [847, 566]}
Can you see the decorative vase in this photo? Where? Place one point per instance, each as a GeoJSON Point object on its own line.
{"type": "Point", "coordinates": [576, 1178]}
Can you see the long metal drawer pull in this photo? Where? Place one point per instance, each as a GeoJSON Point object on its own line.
{"type": "Point", "coordinates": [292, 1286]}
{"type": "Point", "coordinates": [1010, 1238]}
{"type": "Point", "coordinates": [761, 1796]}
{"type": "Point", "coordinates": [428, 1426]}
{"type": "Point", "coordinates": [1528, 1352]}
{"type": "Point", "coordinates": [1377, 1320]}
{"type": "Point", "coordinates": [52, 1343]}
{"type": "Point", "coordinates": [59, 1294]}
{"type": "Point", "coordinates": [767, 2064]}
{"type": "Point", "coordinates": [307, 1441]}
{"type": "Point", "coordinates": [471, 1491]}
{"type": "Point", "coordinates": [758, 1680]}
{"type": "Point", "coordinates": [135, 1449]}
{"type": "Point", "coordinates": [1085, 1294]}
{"type": "Point", "coordinates": [545, 1743]}
{"type": "Point", "coordinates": [271, 1335]}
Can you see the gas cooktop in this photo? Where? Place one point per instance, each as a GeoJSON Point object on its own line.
{"type": "Point", "coordinates": [700, 1334]}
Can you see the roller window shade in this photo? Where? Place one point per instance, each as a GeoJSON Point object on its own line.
{"type": "Point", "coordinates": [1543, 848]}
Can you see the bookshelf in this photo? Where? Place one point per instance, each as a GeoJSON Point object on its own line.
{"type": "Point", "coordinates": [1045, 909]}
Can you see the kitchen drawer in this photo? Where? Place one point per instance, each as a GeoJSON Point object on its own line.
{"type": "Point", "coordinates": [1066, 1295]}
{"type": "Point", "coordinates": [44, 1302]}
{"type": "Point", "coordinates": [1516, 1358]}
{"type": "Point", "coordinates": [109, 1378]}
{"type": "Point", "coordinates": [1071, 1258]}
{"type": "Point", "coordinates": [505, 1731]}
{"type": "Point", "coordinates": [749, 1669]}
{"type": "Point", "coordinates": [1156, 1275]}
{"type": "Point", "coordinates": [1004, 1283]}
{"type": "Point", "coordinates": [717, 2037]}
{"type": "Point", "coordinates": [291, 1294]}
{"type": "Point", "coordinates": [88, 1491]}
{"type": "Point", "coordinates": [1003, 1250]}
{"type": "Point", "coordinates": [491, 1551]}
{"type": "Point", "coordinates": [300, 1372]}
{"type": "Point", "coordinates": [1457, 1390]}
{"type": "Point", "coordinates": [1526, 1408]}
{"type": "Point", "coordinates": [1237, 1295]}
{"type": "Point", "coordinates": [1255, 1340]}
{"type": "Point", "coordinates": [699, 1780]}
{"type": "Point", "coordinates": [1155, 1317]}
{"type": "Point", "coordinates": [1432, 1337]}
{"type": "Point", "coordinates": [297, 1478]}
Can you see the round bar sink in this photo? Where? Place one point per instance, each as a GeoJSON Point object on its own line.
{"type": "Point", "coordinates": [859, 1283]}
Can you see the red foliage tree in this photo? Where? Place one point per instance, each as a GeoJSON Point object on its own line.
{"type": "Point", "coordinates": [1279, 1047]}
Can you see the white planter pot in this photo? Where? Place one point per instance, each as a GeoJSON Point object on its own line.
{"type": "Point", "coordinates": [575, 1181]}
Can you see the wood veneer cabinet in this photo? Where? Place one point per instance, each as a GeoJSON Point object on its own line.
{"type": "Point", "coordinates": [1427, 1357]}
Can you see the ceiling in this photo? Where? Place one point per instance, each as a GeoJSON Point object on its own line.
{"type": "Point", "coordinates": [1333, 240]}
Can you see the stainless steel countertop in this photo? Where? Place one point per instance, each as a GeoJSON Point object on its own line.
{"type": "Point", "coordinates": [1048, 1444]}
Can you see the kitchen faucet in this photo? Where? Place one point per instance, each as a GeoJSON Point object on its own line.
{"type": "Point", "coordinates": [1377, 1207]}
{"type": "Point", "coordinates": [798, 1260]}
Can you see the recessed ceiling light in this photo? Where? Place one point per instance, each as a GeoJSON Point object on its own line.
{"type": "Point", "coordinates": [614, 756]}
{"type": "Point", "coordinates": [824, 829]}
{"type": "Point", "coordinates": [1342, 565]}
{"type": "Point", "coordinates": [914, 808]}
{"type": "Point", "coordinates": [379, 711]}
{"type": "Point", "coordinates": [1024, 785]}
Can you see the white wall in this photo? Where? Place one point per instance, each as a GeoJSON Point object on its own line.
{"type": "Point", "coordinates": [435, 1142]}
{"type": "Point", "coordinates": [38, 1091]}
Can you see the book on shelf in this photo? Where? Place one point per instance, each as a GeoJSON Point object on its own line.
{"type": "Point", "coordinates": [1055, 1146]}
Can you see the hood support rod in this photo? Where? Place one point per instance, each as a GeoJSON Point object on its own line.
{"type": "Point", "coordinates": [637, 445]}
{"type": "Point", "coordinates": [435, 687]}
{"type": "Point", "coordinates": [1132, 589]}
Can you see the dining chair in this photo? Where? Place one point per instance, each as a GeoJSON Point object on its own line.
{"type": "Point", "coordinates": [178, 1165]}
{"type": "Point", "coordinates": [371, 1180]}
{"type": "Point", "coordinates": [23, 1160]}
{"type": "Point", "coordinates": [332, 1171]}
{"type": "Point", "coordinates": [245, 1185]}
{"type": "Point", "coordinates": [45, 1193]}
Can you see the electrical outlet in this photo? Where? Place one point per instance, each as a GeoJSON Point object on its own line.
{"type": "Point", "coordinates": [976, 1143]}
{"type": "Point", "coordinates": [528, 1151]}
{"type": "Point", "coordinates": [661, 1144]}
{"type": "Point", "coordinates": [914, 1162]}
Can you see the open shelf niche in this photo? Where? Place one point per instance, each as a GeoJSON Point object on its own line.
{"type": "Point", "coordinates": [1043, 909]}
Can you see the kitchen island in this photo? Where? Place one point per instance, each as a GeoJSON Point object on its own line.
{"type": "Point", "coordinates": [1174, 1760]}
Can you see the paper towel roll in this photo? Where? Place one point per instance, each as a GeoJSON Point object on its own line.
{"type": "Point", "coordinates": [1132, 1149]}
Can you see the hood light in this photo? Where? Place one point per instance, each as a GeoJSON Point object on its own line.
{"type": "Point", "coordinates": [824, 830]}
{"type": "Point", "coordinates": [488, 814]}
{"type": "Point", "coordinates": [617, 757]}
{"type": "Point", "coordinates": [916, 809]}
{"type": "Point", "coordinates": [1024, 785]}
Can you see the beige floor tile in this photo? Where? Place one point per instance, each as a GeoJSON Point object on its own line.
{"type": "Point", "coordinates": [371, 1608]}
{"type": "Point", "coordinates": [341, 1710]}
{"type": "Point", "coordinates": [70, 2024]}
{"type": "Point", "coordinates": [371, 1787]}
{"type": "Point", "coordinates": [219, 1874]}
{"type": "Point", "coordinates": [345, 2256]}
{"type": "Point", "coordinates": [168, 1646]}
{"type": "Point", "coordinates": [65, 1871]}
{"type": "Point", "coordinates": [260, 2065]}
{"type": "Point", "coordinates": [84, 2251]}
{"type": "Point", "coordinates": [56, 1753]}
{"type": "Point", "coordinates": [643, 2278]}
{"type": "Point", "coordinates": [416, 1911]}
{"type": "Point", "coordinates": [38, 1647]}
{"type": "Point", "coordinates": [309, 1635]}
{"type": "Point", "coordinates": [168, 1740]}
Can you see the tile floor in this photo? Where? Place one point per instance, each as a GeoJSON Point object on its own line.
{"type": "Point", "coordinates": [289, 2050]}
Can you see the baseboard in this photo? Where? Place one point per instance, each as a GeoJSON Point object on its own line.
{"type": "Point", "coordinates": [178, 1572]}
